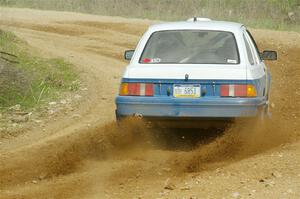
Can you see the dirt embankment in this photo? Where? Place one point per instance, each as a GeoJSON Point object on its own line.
{"type": "Point", "coordinates": [91, 158]}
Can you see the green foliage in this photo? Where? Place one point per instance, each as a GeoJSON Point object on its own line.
{"type": "Point", "coordinates": [257, 13]}
{"type": "Point", "coordinates": [29, 80]}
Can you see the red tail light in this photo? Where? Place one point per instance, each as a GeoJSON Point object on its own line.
{"type": "Point", "coordinates": [149, 89]}
{"type": "Point", "coordinates": [136, 89]}
{"type": "Point", "coordinates": [238, 90]}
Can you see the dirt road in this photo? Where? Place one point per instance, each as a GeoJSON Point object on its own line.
{"type": "Point", "coordinates": [89, 157]}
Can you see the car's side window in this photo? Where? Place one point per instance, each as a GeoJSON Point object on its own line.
{"type": "Point", "coordinates": [252, 48]}
{"type": "Point", "coordinates": [255, 45]}
{"type": "Point", "coordinates": [248, 49]}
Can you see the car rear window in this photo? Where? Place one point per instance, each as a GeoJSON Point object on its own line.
{"type": "Point", "coordinates": [191, 47]}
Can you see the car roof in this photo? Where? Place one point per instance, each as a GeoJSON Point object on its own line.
{"type": "Point", "coordinates": [197, 25]}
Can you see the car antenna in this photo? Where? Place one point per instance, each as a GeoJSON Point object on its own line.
{"type": "Point", "coordinates": [195, 19]}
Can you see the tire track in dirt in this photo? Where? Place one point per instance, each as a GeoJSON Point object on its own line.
{"type": "Point", "coordinates": [104, 161]}
{"type": "Point", "coordinates": [63, 156]}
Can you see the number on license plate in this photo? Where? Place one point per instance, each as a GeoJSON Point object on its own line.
{"type": "Point", "coordinates": [188, 91]}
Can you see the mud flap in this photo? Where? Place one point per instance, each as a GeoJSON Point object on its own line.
{"type": "Point", "coordinates": [265, 114]}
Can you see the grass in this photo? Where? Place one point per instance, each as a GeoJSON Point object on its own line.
{"type": "Point", "coordinates": [29, 80]}
{"type": "Point", "coordinates": [271, 14]}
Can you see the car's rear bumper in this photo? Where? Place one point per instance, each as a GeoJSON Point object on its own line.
{"type": "Point", "coordinates": [193, 108]}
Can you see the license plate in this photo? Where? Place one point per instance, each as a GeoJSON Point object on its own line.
{"type": "Point", "coordinates": [186, 91]}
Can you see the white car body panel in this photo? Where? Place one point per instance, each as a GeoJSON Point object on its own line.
{"type": "Point", "coordinates": [165, 71]}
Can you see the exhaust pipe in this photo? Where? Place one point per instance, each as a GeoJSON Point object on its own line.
{"type": "Point", "coordinates": [138, 115]}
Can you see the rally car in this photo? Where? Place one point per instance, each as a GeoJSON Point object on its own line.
{"type": "Point", "coordinates": [197, 69]}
